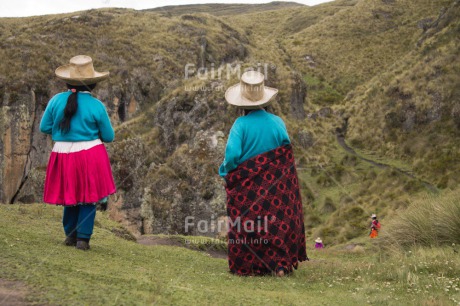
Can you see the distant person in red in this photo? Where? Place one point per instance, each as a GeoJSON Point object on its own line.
{"type": "Point", "coordinates": [319, 243]}
{"type": "Point", "coordinates": [375, 227]}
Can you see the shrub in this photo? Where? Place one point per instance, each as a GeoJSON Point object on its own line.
{"type": "Point", "coordinates": [328, 206]}
{"type": "Point", "coordinates": [324, 180]}
{"type": "Point", "coordinates": [430, 221]}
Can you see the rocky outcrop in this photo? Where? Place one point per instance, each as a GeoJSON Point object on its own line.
{"type": "Point", "coordinates": [298, 95]}
{"type": "Point", "coordinates": [430, 27]}
{"type": "Point", "coordinates": [21, 150]}
{"type": "Point", "coordinates": [305, 139]}
{"type": "Point", "coordinates": [456, 115]}
{"type": "Point", "coordinates": [173, 175]}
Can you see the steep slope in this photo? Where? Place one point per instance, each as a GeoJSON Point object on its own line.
{"type": "Point", "coordinates": [358, 42]}
{"type": "Point", "coordinates": [221, 9]}
{"type": "Point", "coordinates": [414, 107]}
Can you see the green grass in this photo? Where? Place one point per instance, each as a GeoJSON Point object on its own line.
{"type": "Point", "coordinates": [120, 272]}
{"type": "Point", "coordinates": [320, 92]}
{"type": "Point", "coordinates": [353, 52]}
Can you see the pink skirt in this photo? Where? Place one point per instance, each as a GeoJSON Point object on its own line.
{"type": "Point", "coordinates": [78, 173]}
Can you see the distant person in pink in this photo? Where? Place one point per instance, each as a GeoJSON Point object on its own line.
{"type": "Point", "coordinates": [319, 243]}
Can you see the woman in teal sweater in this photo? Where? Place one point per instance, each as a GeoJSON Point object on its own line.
{"type": "Point", "coordinates": [90, 122]}
{"type": "Point", "coordinates": [78, 174]}
{"type": "Point", "coordinates": [256, 132]}
{"type": "Point", "coordinates": [266, 231]}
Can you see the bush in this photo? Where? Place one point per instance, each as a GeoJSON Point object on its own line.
{"type": "Point", "coordinates": [324, 180]}
{"type": "Point", "coordinates": [431, 221]}
{"type": "Point", "coordinates": [328, 206]}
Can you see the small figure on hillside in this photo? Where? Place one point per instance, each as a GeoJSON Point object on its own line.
{"type": "Point", "coordinates": [375, 227]}
{"type": "Point", "coordinates": [319, 243]}
{"type": "Point", "coordinates": [78, 175]}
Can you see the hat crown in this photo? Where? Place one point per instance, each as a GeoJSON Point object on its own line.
{"type": "Point", "coordinates": [81, 66]}
{"type": "Point", "coordinates": [80, 60]}
{"type": "Point", "coordinates": [252, 77]}
{"type": "Point", "coordinates": [252, 85]}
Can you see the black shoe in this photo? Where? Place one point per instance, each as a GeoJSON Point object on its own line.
{"type": "Point", "coordinates": [296, 265]}
{"type": "Point", "coordinates": [70, 241]}
{"type": "Point", "coordinates": [82, 245]}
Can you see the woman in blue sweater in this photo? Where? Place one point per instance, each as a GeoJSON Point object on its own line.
{"type": "Point", "coordinates": [266, 230]}
{"type": "Point", "coordinates": [78, 175]}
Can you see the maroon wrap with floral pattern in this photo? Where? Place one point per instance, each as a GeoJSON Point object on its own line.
{"type": "Point", "coordinates": [266, 229]}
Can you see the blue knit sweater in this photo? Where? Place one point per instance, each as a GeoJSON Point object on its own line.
{"type": "Point", "coordinates": [257, 132]}
{"type": "Point", "coordinates": [90, 122]}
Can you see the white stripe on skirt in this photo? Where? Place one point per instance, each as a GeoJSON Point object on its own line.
{"type": "Point", "coordinates": [72, 147]}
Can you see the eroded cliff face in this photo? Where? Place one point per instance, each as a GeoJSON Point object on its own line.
{"type": "Point", "coordinates": [298, 96]}
{"type": "Point", "coordinates": [169, 173]}
{"type": "Point", "coordinates": [22, 147]}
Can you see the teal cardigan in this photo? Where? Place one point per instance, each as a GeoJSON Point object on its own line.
{"type": "Point", "coordinates": [257, 132]}
{"type": "Point", "coordinates": [90, 122]}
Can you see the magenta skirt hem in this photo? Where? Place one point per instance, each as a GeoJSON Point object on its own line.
{"type": "Point", "coordinates": [86, 203]}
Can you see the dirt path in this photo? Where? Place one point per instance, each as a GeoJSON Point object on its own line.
{"type": "Point", "coordinates": [152, 241]}
{"type": "Point", "coordinates": [12, 293]}
{"type": "Point", "coordinates": [340, 134]}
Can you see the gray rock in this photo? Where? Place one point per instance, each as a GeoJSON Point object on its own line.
{"type": "Point", "coordinates": [298, 95]}
{"type": "Point", "coordinates": [305, 139]}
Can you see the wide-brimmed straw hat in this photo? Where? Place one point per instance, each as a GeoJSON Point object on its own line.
{"type": "Point", "coordinates": [374, 216]}
{"type": "Point", "coordinates": [318, 240]}
{"type": "Point", "coordinates": [80, 71]}
{"type": "Point", "coordinates": [250, 93]}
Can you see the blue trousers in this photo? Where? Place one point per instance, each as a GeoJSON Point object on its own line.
{"type": "Point", "coordinates": [79, 220]}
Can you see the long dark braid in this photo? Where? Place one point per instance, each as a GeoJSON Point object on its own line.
{"type": "Point", "coordinates": [72, 105]}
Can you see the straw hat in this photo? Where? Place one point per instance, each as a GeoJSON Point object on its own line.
{"type": "Point", "coordinates": [318, 240]}
{"type": "Point", "coordinates": [374, 216]}
{"type": "Point", "coordinates": [250, 93]}
{"type": "Point", "coordinates": [80, 71]}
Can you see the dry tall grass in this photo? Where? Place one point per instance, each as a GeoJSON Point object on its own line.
{"type": "Point", "coordinates": [429, 221]}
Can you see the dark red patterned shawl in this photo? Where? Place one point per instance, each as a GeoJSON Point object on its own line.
{"type": "Point", "coordinates": [263, 194]}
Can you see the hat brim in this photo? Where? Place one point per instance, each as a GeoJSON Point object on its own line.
{"type": "Point", "coordinates": [63, 72]}
{"type": "Point", "coordinates": [234, 97]}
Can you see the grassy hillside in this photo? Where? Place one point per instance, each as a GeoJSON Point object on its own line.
{"type": "Point", "coordinates": [414, 106]}
{"type": "Point", "coordinates": [382, 74]}
{"type": "Point", "coordinates": [359, 41]}
{"type": "Point", "coordinates": [117, 271]}
{"type": "Point", "coordinates": [218, 9]}
{"type": "Point", "coordinates": [145, 47]}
